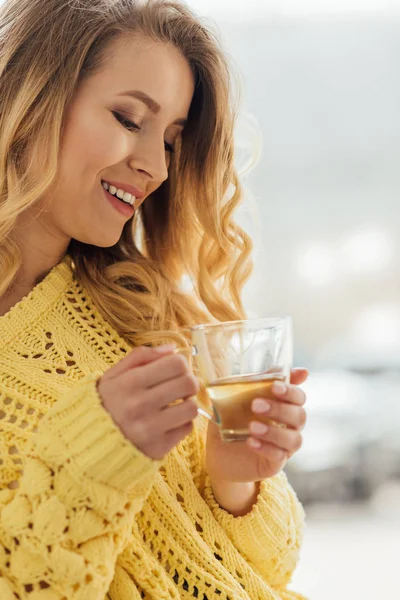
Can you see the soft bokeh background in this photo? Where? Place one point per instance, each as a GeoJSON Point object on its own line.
{"type": "Point", "coordinates": [321, 84]}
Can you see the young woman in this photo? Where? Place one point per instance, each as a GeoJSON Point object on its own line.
{"type": "Point", "coordinates": [116, 179]}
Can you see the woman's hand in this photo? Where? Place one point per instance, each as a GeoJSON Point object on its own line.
{"type": "Point", "coordinates": [140, 393]}
{"type": "Point", "coordinates": [264, 454]}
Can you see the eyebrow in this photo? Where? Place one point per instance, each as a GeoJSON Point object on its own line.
{"type": "Point", "coordinates": [151, 104]}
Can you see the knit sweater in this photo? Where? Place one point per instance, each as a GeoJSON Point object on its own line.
{"type": "Point", "coordinates": [83, 513]}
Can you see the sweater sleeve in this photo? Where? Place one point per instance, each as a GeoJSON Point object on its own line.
{"type": "Point", "coordinates": [270, 535]}
{"type": "Point", "coordinates": [82, 484]}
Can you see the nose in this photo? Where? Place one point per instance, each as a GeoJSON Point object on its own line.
{"type": "Point", "coordinates": [150, 159]}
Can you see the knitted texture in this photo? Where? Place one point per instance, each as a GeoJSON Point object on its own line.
{"type": "Point", "coordinates": [84, 515]}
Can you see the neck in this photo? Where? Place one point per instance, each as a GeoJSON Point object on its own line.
{"type": "Point", "coordinates": [40, 247]}
{"type": "Point", "coordinates": [33, 270]}
{"type": "Point", "coordinates": [11, 297]}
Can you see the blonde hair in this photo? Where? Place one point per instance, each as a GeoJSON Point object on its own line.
{"type": "Point", "coordinates": [186, 227]}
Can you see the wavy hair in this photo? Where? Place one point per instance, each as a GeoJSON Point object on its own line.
{"type": "Point", "coordinates": [186, 227]}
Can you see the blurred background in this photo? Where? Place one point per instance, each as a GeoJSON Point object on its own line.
{"type": "Point", "coordinates": [321, 93]}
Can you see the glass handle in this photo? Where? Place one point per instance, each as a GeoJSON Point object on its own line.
{"type": "Point", "coordinates": [205, 411]}
{"type": "Point", "coordinates": [202, 408]}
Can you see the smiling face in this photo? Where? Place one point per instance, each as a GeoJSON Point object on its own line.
{"type": "Point", "coordinates": [113, 135]}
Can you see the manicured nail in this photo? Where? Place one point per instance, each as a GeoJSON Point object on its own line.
{"type": "Point", "coordinates": [260, 405]}
{"type": "Point", "coordinates": [258, 428]}
{"type": "Point", "coordinates": [165, 348]}
{"type": "Point", "coordinates": [279, 388]}
{"type": "Point", "coordinates": [254, 443]}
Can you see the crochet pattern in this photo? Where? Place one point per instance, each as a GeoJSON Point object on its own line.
{"type": "Point", "coordinates": [83, 513]}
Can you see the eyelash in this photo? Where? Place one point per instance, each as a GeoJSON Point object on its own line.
{"type": "Point", "coordinates": [131, 126]}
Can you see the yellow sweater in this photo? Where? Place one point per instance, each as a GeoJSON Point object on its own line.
{"type": "Point", "coordinates": [83, 513]}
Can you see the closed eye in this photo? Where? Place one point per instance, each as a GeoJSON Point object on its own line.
{"type": "Point", "coordinates": [131, 126]}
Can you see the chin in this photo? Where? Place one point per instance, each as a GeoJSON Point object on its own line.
{"type": "Point", "coordinates": [102, 237]}
{"type": "Point", "coordinates": [104, 241]}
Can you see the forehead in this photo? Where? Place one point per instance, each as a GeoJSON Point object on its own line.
{"type": "Point", "coordinates": [136, 62]}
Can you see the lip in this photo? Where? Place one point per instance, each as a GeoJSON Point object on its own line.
{"type": "Point", "coordinates": [124, 209]}
{"type": "Point", "coordinates": [131, 189]}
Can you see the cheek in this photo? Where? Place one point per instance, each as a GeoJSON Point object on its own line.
{"type": "Point", "coordinates": [91, 144]}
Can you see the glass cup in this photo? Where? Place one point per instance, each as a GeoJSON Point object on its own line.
{"type": "Point", "coordinates": [239, 361]}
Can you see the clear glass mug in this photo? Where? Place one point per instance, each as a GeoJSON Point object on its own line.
{"type": "Point", "coordinates": [239, 361]}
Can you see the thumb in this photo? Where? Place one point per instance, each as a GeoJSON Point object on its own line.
{"type": "Point", "coordinates": [298, 376]}
{"type": "Point", "coordinates": [140, 356]}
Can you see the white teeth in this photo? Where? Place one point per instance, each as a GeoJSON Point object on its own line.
{"type": "Point", "coordinates": [121, 194]}
{"type": "Point", "coordinates": [128, 198]}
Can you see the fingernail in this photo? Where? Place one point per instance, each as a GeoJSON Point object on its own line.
{"type": "Point", "coordinates": [260, 405]}
{"type": "Point", "coordinates": [254, 443]}
{"type": "Point", "coordinates": [258, 428]}
{"type": "Point", "coordinates": [165, 348]}
{"type": "Point", "coordinates": [279, 388]}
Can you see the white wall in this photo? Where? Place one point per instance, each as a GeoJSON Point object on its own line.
{"type": "Point", "coordinates": [325, 90]}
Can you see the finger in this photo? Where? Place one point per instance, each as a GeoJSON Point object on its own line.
{"type": "Point", "coordinates": [179, 415]}
{"type": "Point", "coordinates": [289, 393]}
{"type": "Point", "coordinates": [287, 439]}
{"type": "Point", "coordinates": [166, 392]}
{"type": "Point", "coordinates": [169, 441]}
{"type": "Point", "coordinates": [166, 368]}
{"type": "Point", "coordinates": [289, 414]}
{"type": "Point", "coordinates": [174, 436]}
{"type": "Point", "coordinates": [138, 357]}
{"type": "Point", "coordinates": [268, 450]}
{"type": "Point", "coordinates": [298, 376]}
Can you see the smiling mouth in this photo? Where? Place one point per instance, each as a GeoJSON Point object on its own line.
{"type": "Point", "coordinates": [126, 197]}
